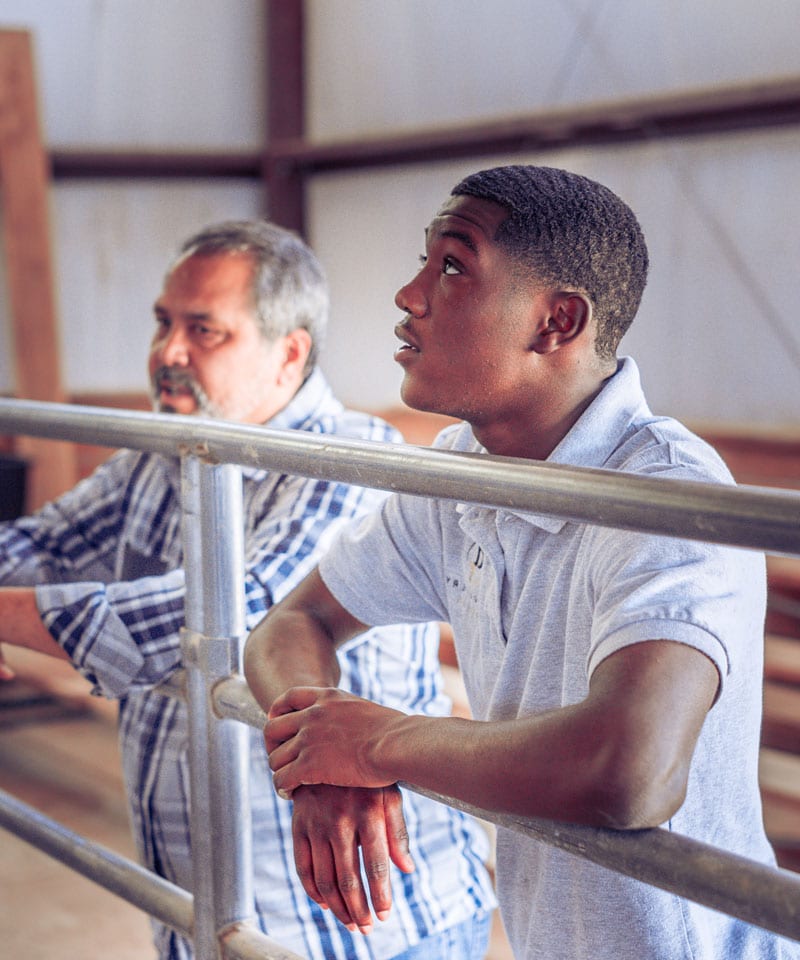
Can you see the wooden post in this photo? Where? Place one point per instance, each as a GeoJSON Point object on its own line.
{"type": "Point", "coordinates": [285, 184]}
{"type": "Point", "coordinates": [26, 240]}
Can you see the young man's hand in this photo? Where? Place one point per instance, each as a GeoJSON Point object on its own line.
{"type": "Point", "coordinates": [342, 836]}
{"type": "Point", "coordinates": [323, 735]}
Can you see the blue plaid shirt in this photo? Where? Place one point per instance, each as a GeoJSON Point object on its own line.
{"type": "Point", "coordinates": [106, 559]}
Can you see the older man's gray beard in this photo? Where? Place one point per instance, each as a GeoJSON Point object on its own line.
{"type": "Point", "coordinates": [182, 379]}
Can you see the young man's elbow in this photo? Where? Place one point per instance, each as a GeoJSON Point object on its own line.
{"type": "Point", "coordinates": [637, 800]}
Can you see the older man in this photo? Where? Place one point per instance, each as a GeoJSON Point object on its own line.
{"type": "Point", "coordinates": [239, 322]}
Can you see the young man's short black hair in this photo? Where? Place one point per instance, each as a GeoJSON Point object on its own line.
{"type": "Point", "coordinates": [568, 231]}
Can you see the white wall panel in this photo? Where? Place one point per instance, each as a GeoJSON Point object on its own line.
{"type": "Point", "coordinates": [376, 66]}
{"type": "Point", "coordinates": [139, 73]}
{"type": "Point", "coordinates": [716, 336]}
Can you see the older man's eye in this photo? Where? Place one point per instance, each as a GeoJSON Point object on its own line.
{"type": "Point", "coordinates": [206, 336]}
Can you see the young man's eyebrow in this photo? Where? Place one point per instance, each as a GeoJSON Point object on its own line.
{"type": "Point", "coordinates": [453, 234]}
{"type": "Point", "coordinates": [463, 237]}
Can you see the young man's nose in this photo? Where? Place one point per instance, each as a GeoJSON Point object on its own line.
{"type": "Point", "coordinates": [411, 298]}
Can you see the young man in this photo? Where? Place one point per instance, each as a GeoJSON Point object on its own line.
{"type": "Point", "coordinates": [615, 677]}
{"type": "Point", "coordinates": [238, 324]}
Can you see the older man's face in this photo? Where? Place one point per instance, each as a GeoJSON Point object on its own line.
{"type": "Point", "coordinates": [208, 355]}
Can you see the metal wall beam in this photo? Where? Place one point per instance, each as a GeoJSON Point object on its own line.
{"type": "Point", "coordinates": [712, 112]}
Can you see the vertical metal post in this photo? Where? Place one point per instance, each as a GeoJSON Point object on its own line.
{"type": "Point", "coordinates": [213, 546]}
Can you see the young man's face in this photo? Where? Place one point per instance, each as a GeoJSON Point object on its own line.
{"type": "Point", "coordinates": [208, 356]}
{"type": "Point", "coordinates": [467, 332]}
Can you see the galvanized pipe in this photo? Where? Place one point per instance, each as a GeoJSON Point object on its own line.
{"type": "Point", "coordinates": [758, 894]}
{"type": "Point", "coordinates": [168, 903]}
{"type": "Point", "coordinates": [742, 516]}
{"type": "Point", "coordinates": [243, 942]}
{"type": "Point", "coordinates": [157, 897]}
{"type": "Point", "coordinates": [232, 698]}
{"type": "Point", "coordinates": [213, 543]}
{"type": "Point", "coordinates": [205, 939]}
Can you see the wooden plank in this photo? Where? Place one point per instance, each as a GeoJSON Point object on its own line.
{"type": "Point", "coordinates": [780, 727]}
{"type": "Point", "coordinates": [784, 575]}
{"type": "Point", "coordinates": [782, 659]}
{"type": "Point", "coordinates": [26, 237]}
{"type": "Point", "coordinates": [755, 454]}
{"type": "Point", "coordinates": [779, 775]}
{"type": "Point", "coordinates": [779, 778]}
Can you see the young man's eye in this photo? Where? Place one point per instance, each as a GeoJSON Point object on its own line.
{"type": "Point", "coordinates": [450, 267]}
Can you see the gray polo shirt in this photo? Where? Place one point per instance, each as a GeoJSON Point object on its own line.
{"type": "Point", "coordinates": [535, 604]}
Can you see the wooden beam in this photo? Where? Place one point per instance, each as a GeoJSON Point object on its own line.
{"type": "Point", "coordinates": [26, 237]}
{"type": "Point", "coordinates": [285, 183]}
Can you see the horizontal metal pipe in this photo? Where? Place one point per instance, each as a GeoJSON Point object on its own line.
{"type": "Point", "coordinates": [752, 517]}
{"type": "Point", "coordinates": [243, 942]}
{"type": "Point", "coordinates": [758, 894]}
{"type": "Point", "coordinates": [744, 516]}
{"type": "Point", "coordinates": [167, 902]}
{"type": "Point", "coordinates": [231, 699]}
{"type": "Point", "coordinates": [157, 897]}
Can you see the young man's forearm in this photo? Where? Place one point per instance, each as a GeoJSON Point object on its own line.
{"type": "Point", "coordinates": [288, 650]}
{"type": "Point", "coordinates": [295, 644]}
{"type": "Point", "coordinates": [620, 758]}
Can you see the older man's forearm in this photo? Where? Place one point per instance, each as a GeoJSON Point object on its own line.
{"type": "Point", "coordinates": [21, 625]}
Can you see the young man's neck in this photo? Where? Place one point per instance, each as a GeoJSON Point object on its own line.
{"type": "Point", "coordinates": [535, 432]}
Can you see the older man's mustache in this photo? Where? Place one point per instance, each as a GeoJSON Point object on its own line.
{"type": "Point", "coordinates": [174, 377]}
{"type": "Point", "coordinates": [166, 379]}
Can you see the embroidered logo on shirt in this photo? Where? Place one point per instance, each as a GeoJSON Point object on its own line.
{"type": "Point", "coordinates": [469, 583]}
{"type": "Point", "coordinates": [476, 556]}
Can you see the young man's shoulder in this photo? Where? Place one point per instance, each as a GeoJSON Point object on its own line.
{"type": "Point", "coordinates": [665, 446]}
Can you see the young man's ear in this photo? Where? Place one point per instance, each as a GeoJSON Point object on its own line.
{"type": "Point", "coordinates": [567, 318]}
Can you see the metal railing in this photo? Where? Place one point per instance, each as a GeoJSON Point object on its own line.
{"type": "Point", "coordinates": [218, 917]}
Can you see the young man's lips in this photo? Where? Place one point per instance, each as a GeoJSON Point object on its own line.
{"type": "Point", "coordinates": [407, 342]}
{"type": "Point", "coordinates": [405, 352]}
